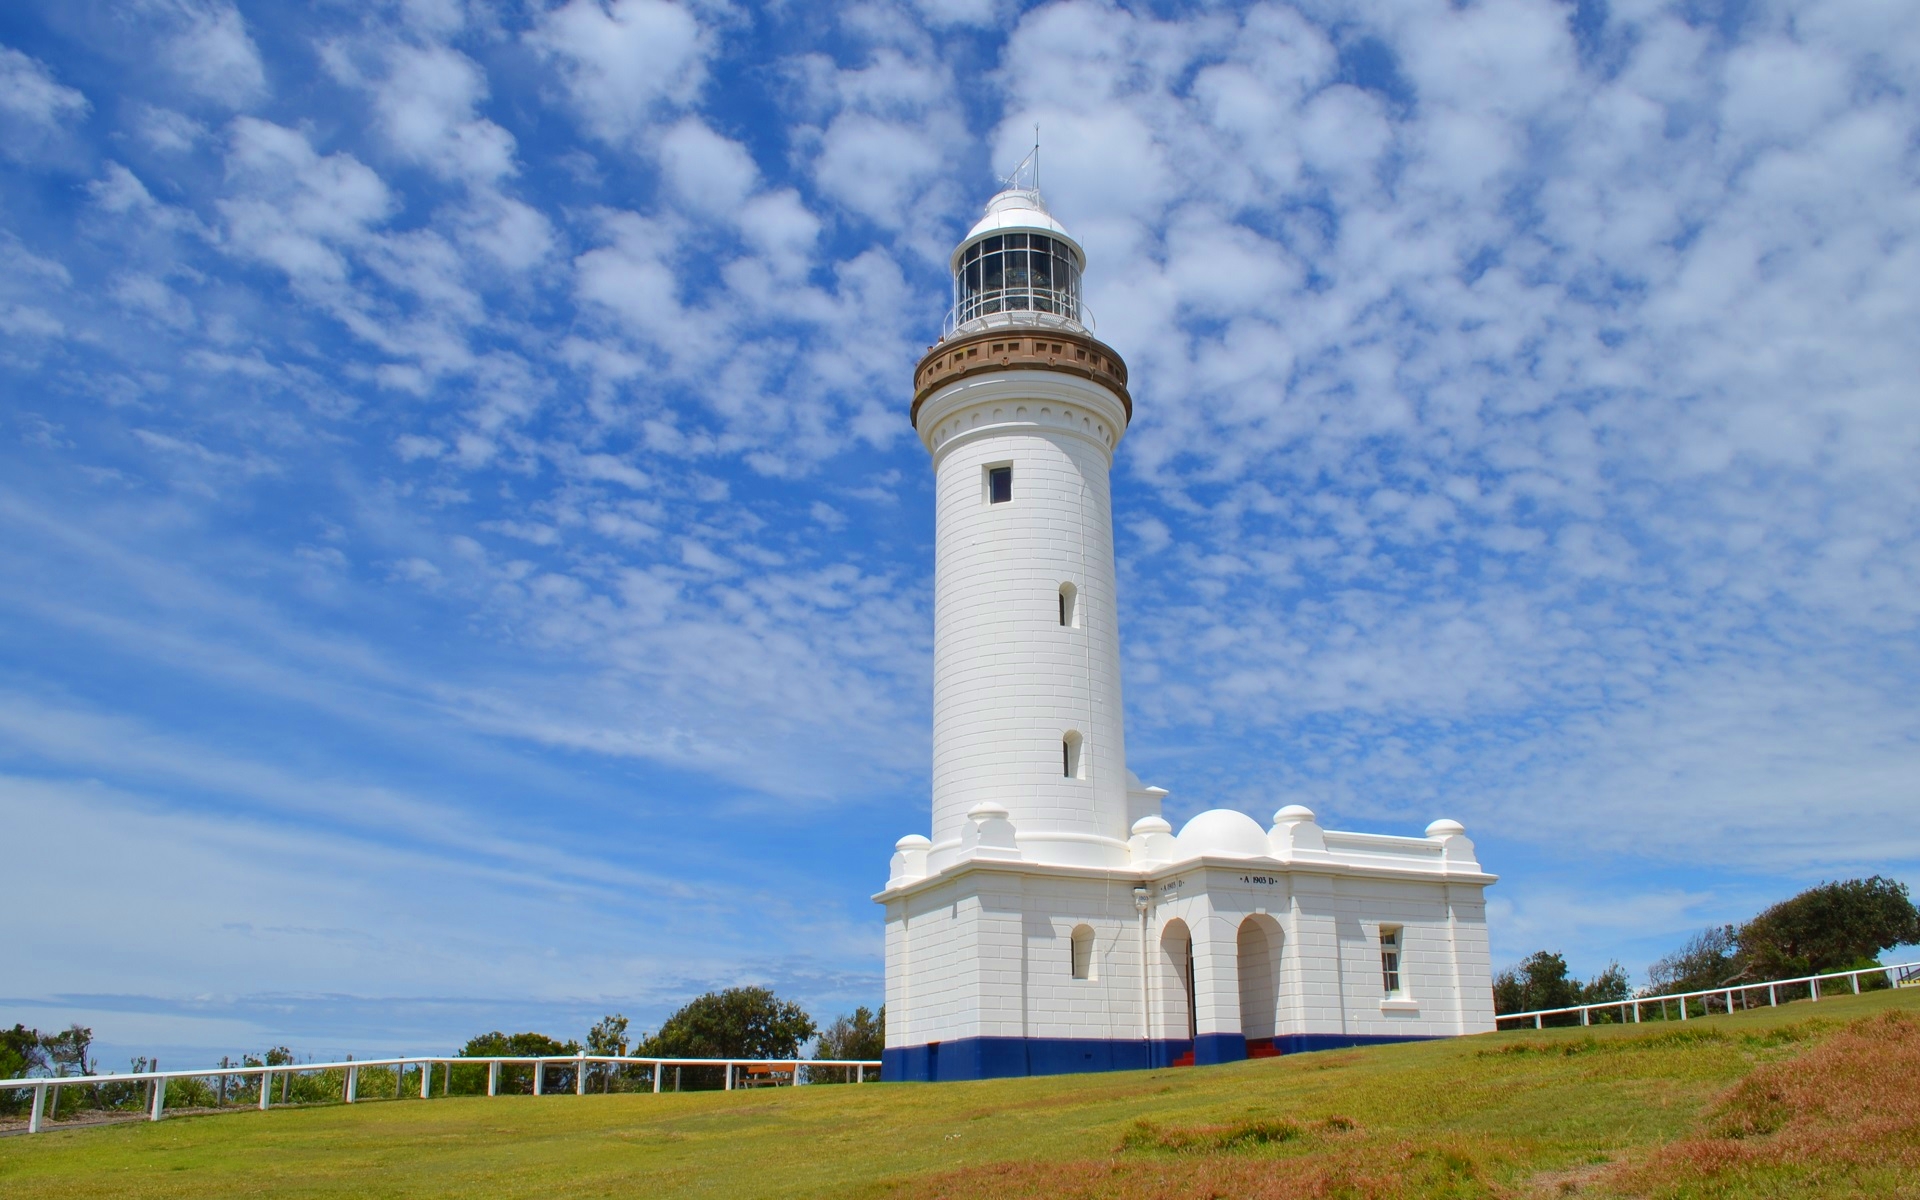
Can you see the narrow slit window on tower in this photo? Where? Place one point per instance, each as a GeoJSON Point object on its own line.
{"type": "Point", "coordinates": [1069, 596]}
{"type": "Point", "coordinates": [1070, 756]}
{"type": "Point", "coordinates": [1390, 959]}
{"type": "Point", "coordinates": [999, 485]}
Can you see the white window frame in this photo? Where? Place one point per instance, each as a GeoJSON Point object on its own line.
{"type": "Point", "coordinates": [1393, 954]}
{"type": "Point", "coordinates": [986, 483]}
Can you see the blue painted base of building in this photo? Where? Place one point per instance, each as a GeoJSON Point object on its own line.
{"type": "Point", "coordinates": [1006, 1057]}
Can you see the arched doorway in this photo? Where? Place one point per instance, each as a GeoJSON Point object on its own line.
{"type": "Point", "coordinates": [1176, 1014]}
{"type": "Point", "coordinates": [1259, 965]}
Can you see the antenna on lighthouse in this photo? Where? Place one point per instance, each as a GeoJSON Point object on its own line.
{"type": "Point", "coordinates": [1028, 170]}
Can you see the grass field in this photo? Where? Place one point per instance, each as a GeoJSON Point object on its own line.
{"type": "Point", "coordinates": [1807, 1100]}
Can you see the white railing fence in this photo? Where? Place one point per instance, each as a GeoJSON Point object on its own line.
{"type": "Point", "coordinates": [1897, 975]}
{"type": "Point", "coordinates": [738, 1071]}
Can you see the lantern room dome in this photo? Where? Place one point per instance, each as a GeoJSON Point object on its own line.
{"type": "Point", "coordinates": [1018, 208]}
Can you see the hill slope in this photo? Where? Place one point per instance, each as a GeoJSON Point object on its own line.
{"type": "Point", "coordinates": [1805, 1100]}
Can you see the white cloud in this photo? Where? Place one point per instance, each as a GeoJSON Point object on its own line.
{"type": "Point", "coordinates": [36, 110]}
{"type": "Point", "coordinates": [712, 175]}
{"type": "Point", "coordinates": [29, 92]}
{"type": "Point", "coordinates": [205, 45]}
{"type": "Point", "coordinates": [426, 98]}
{"type": "Point", "coordinates": [296, 207]}
{"type": "Point", "coordinates": [877, 168]}
{"type": "Point", "coordinates": [170, 131]}
{"type": "Point", "coordinates": [621, 60]}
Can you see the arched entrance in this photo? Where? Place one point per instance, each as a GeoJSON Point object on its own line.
{"type": "Point", "coordinates": [1259, 968]}
{"type": "Point", "coordinates": [1174, 1007]}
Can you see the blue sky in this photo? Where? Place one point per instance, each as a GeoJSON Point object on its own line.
{"type": "Point", "coordinates": [466, 564]}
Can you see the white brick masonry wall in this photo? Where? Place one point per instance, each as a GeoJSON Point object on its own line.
{"type": "Point", "coordinates": [987, 953]}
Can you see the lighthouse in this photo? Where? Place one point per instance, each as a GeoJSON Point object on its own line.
{"type": "Point", "coordinates": [1021, 408]}
{"type": "Point", "coordinates": [1052, 921]}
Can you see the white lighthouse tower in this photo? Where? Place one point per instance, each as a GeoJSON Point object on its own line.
{"type": "Point", "coordinates": [1021, 409]}
{"type": "Point", "coordinates": [1053, 922]}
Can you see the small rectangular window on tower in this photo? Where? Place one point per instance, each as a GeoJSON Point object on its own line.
{"type": "Point", "coordinates": [999, 485]}
{"type": "Point", "coordinates": [1390, 960]}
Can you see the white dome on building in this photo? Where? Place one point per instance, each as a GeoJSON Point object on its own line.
{"type": "Point", "coordinates": [1224, 832]}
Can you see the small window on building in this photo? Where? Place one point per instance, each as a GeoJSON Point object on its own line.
{"type": "Point", "coordinates": [999, 485]}
{"type": "Point", "coordinates": [1069, 608]}
{"type": "Point", "coordinates": [1082, 941]}
{"type": "Point", "coordinates": [1070, 756]}
{"type": "Point", "coordinates": [1390, 959]}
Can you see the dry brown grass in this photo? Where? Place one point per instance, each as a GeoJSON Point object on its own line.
{"type": "Point", "coordinates": [1841, 1119]}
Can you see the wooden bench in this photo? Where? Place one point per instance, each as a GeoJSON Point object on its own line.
{"type": "Point", "coordinates": [766, 1075]}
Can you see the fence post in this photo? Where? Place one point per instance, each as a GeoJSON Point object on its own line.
{"type": "Point", "coordinates": [266, 1089]}
{"type": "Point", "coordinates": [1856, 982]}
{"type": "Point", "coordinates": [729, 1077]}
{"type": "Point", "coordinates": [39, 1106]}
{"type": "Point", "coordinates": [860, 1073]}
{"type": "Point", "coordinates": [353, 1084]}
{"type": "Point", "coordinates": [1683, 1008]}
{"type": "Point", "coordinates": [1636, 1012]}
{"type": "Point", "coordinates": [157, 1102]}
{"type": "Point", "coordinates": [796, 1072]}
{"type": "Point", "coordinates": [1584, 1014]}
{"type": "Point", "coordinates": [1536, 1022]}
{"type": "Point", "coordinates": [1814, 983]}
{"type": "Point", "coordinates": [580, 1075]}
{"type": "Point", "coordinates": [1773, 996]}
{"type": "Point", "coordinates": [493, 1078]}
{"type": "Point", "coordinates": [539, 1077]}
{"type": "Point", "coordinates": [659, 1069]}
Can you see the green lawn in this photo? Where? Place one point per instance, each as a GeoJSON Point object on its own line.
{"type": "Point", "coordinates": [1809, 1099]}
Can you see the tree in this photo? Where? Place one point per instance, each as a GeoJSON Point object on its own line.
{"type": "Point", "coordinates": [1540, 980]}
{"type": "Point", "coordinates": [1537, 981]}
{"type": "Point", "coordinates": [22, 1053]}
{"type": "Point", "coordinates": [1829, 928]}
{"type": "Point", "coordinates": [745, 1022]}
{"type": "Point", "coordinates": [860, 1035]}
{"type": "Point", "coordinates": [609, 1037]}
{"type": "Point", "coordinates": [1610, 984]}
{"type": "Point", "coordinates": [524, 1045]}
{"type": "Point", "coordinates": [69, 1050]}
{"type": "Point", "coordinates": [1707, 959]}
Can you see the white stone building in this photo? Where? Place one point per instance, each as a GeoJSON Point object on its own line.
{"type": "Point", "coordinates": [1054, 922]}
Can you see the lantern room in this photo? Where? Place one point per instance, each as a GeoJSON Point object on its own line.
{"type": "Point", "coordinates": [1017, 266]}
